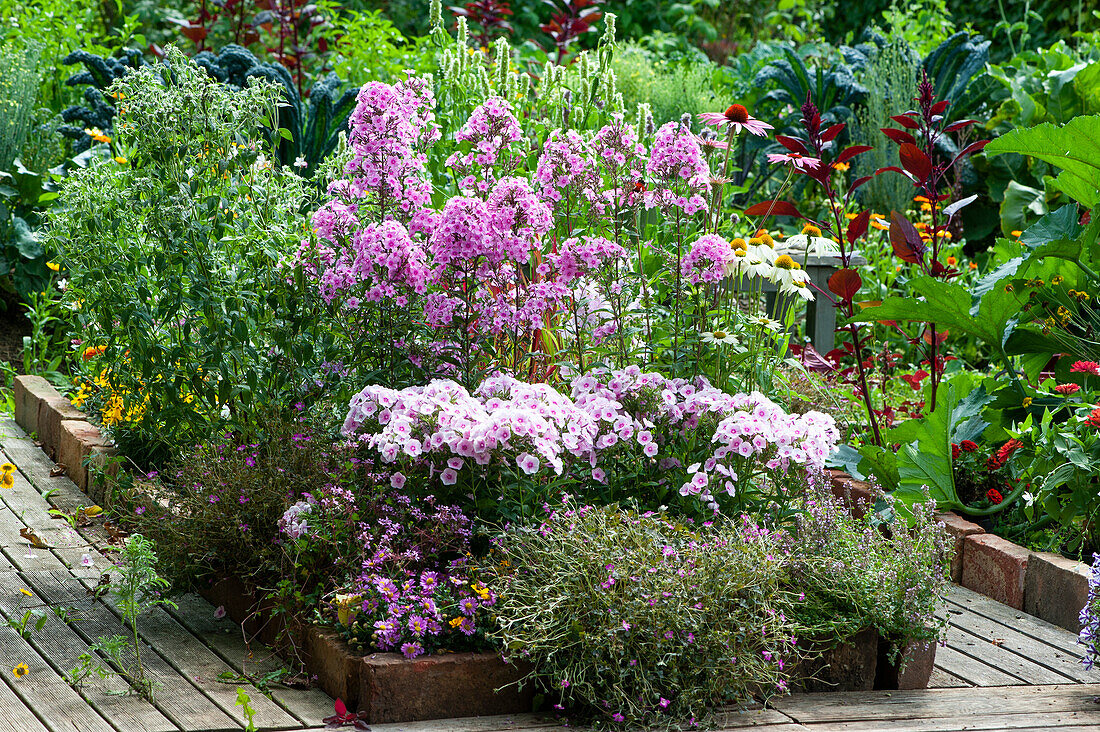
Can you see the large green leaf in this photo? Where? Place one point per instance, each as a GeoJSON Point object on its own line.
{"type": "Point", "coordinates": [1074, 147]}
{"type": "Point", "coordinates": [950, 306]}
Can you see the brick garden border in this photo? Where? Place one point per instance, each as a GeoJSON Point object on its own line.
{"type": "Point", "coordinates": [1042, 584]}
{"type": "Point", "coordinates": [383, 686]}
{"type": "Point", "coordinates": [387, 688]}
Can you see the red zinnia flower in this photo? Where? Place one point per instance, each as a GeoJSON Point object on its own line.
{"type": "Point", "coordinates": [1085, 367]}
{"type": "Point", "coordinates": [994, 496]}
{"type": "Point", "coordinates": [954, 451]}
{"type": "Point", "coordinates": [1093, 420]}
{"type": "Point", "coordinates": [968, 446]}
{"type": "Point", "coordinates": [1007, 449]}
{"type": "Point", "coordinates": [1067, 388]}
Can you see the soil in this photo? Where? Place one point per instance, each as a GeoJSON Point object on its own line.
{"type": "Point", "coordinates": [13, 326]}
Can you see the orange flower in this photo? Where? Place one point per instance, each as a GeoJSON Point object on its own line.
{"type": "Point", "coordinates": [92, 351]}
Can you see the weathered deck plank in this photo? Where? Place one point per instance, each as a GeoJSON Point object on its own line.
{"type": "Point", "coordinates": [175, 696]}
{"type": "Point", "coordinates": [885, 706]}
{"type": "Point", "coordinates": [224, 638]}
{"type": "Point", "coordinates": [61, 647]}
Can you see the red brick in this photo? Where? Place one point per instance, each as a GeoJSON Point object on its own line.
{"type": "Point", "coordinates": [1055, 589]}
{"type": "Point", "coordinates": [102, 460]}
{"type": "Point", "coordinates": [995, 567]}
{"type": "Point", "coordinates": [52, 411]}
{"type": "Point", "coordinates": [912, 670]}
{"type": "Point", "coordinates": [440, 687]}
{"type": "Point", "coordinates": [855, 494]}
{"type": "Point", "coordinates": [329, 659]}
{"type": "Point", "coordinates": [76, 443]}
{"type": "Point", "coordinates": [958, 528]}
{"type": "Point", "coordinates": [29, 391]}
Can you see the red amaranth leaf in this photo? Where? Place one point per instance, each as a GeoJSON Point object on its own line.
{"type": "Point", "coordinates": [915, 161]}
{"type": "Point", "coordinates": [773, 208]}
{"type": "Point", "coordinates": [845, 283]}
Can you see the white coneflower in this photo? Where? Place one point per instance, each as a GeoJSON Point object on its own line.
{"type": "Point", "coordinates": [719, 336]}
{"type": "Point", "coordinates": [765, 322]}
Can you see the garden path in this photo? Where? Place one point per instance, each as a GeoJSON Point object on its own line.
{"type": "Point", "coordinates": [187, 652]}
{"type": "Point", "coordinates": [1000, 670]}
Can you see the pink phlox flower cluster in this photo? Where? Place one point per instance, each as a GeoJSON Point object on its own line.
{"type": "Point", "coordinates": [567, 168]}
{"type": "Point", "coordinates": [710, 260]}
{"type": "Point", "coordinates": [582, 256]}
{"type": "Point", "coordinates": [388, 133]}
{"type": "Point", "coordinates": [294, 521]}
{"type": "Point", "coordinates": [617, 145]}
{"type": "Point", "coordinates": [490, 131]}
{"type": "Point", "coordinates": [518, 217]}
{"type": "Point", "coordinates": [759, 435]}
{"type": "Point", "coordinates": [679, 168]}
{"type": "Point", "coordinates": [505, 422]}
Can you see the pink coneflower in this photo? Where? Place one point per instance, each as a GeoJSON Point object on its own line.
{"type": "Point", "coordinates": [795, 159]}
{"type": "Point", "coordinates": [1067, 388]}
{"type": "Point", "coordinates": [1085, 367]}
{"type": "Point", "coordinates": [736, 118]}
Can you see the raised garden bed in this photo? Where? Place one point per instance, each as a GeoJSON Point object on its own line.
{"type": "Point", "coordinates": [1042, 584]}
{"type": "Point", "coordinates": [385, 686]}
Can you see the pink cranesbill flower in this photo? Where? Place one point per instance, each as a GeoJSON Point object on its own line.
{"type": "Point", "coordinates": [736, 118]}
{"type": "Point", "coordinates": [796, 160]}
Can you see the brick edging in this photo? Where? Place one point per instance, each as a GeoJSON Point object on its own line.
{"type": "Point", "coordinates": [382, 685]}
{"type": "Point", "coordinates": [1042, 584]}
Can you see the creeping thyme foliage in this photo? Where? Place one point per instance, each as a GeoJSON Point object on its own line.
{"type": "Point", "coordinates": [874, 571]}
{"type": "Point", "coordinates": [638, 618]}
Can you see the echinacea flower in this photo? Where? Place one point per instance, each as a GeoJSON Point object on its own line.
{"type": "Point", "coordinates": [21, 670]}
{"type": "Point", "coordinates": [719, 336]}
{"type": "Point", "coordinates": [736, 118]}
{"type": "Point", "coordinates": [7, 481]}
{"type": "Point", "coordinates": [765, 322]}
{"type": "Point", "coordinates": [795, 160]}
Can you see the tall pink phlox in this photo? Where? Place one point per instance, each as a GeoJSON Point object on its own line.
{"type": "Point", "coordinates": [709, 260]}
{"type": "Point", "coordinates": [680, 171]}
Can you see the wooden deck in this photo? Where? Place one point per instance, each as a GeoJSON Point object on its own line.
{"type": "Point", "coordinates": [1000, 670]}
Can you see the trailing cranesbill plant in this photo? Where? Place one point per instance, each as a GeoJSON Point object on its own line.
{"type": "Point", "coordinates": [634, 618]}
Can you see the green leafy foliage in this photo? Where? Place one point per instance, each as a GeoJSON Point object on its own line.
{"type": "Point", "coordinates": [1073, 147]}
{"type": "Point", "coordinates": [176, 257]}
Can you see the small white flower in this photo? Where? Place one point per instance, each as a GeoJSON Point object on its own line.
{"type": "Point", "coordinates": [719, 336]}
{"type": "Point", "coordinates": [765, 322]}
{"type": "Point", "coordinates": [87, 561]}
{"type": "Point", "coordinates": [300, 162]}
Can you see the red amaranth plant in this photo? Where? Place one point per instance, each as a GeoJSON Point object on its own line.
{"type": "Point", "coordinates": [570, 20]}
{"type": "Point", "coordinates": [806, 157]}
{"type": "Point", "coordinates": [920, 243]}
{"type": "Point", "coordinates": [489, 16]}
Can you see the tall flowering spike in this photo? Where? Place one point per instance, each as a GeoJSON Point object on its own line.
{"type": "Point", "coordinates": [926, 95]}
{"type": "Point", "coordinates": [810, 117]}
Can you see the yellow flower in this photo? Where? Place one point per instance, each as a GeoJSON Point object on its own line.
{"type": "Point", "coordinates": [54, 266]}
{"type": "Point", "coordinates": [21, 670]}
{"type": "Point", "coordinates": [784, 261]}
{"type": "Point", "coordinates": [121, 160]}
{"type": "Point", "coordinates": [7, 481]}
{"type": "Point", "coordinates": [842, 167]}
{"type": "Point", "coordinates": [811, 230]}
{"type": "Point", "coordinates": [1056, 280]}
{"type": "Point", "coordinates": [26, 592]}
{"type": "Point", "coordinates": [7, 468]}
{"type": "Point", "coordinates": [1027, 402]}
{"type": "Point", "coordinates": [454, 622]}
